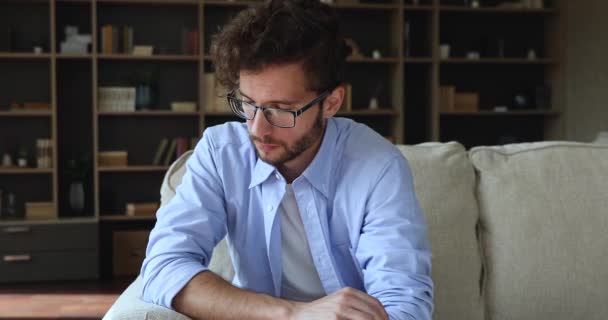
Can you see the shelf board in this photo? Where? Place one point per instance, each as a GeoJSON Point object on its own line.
{"type": "Point", "coordinates": [17, 170]}
{"type": "Point", "coordinates": [25, 114]}
{"type": "Point", "coordinates": [498, 61]}
{"type": "Point", "coordinates": [122, 217]}
{"type": "Point", "coordinates": [369, 112]}
{"type": "Point", "coordinates": [150, 113]}
{"type": "Point", "coordinates": [464, 9]}
{"type": "Point", "coordinates": [365, 6]}
{"type": "Point", "coordinates": [24, 56]}
{"type": "Point", "coordinates": [73, 56]}
{"type": "Point", "coordinates": [224, 3]}
{"type": "Point", "coordinates": [151, 2]}
{"type": "Point", "coordinates": [147, 168]}
{"type": "Point", "coordinates": [420, 7]}
{"type": "Point", "coordinates": [220, 114]}
{"type": "Point", "coordinates": [548, 113]}
{"type": "Point", "coordinates": [154, 57]}
{"type": "Point", "coordinates": [417, 59]}
{"type": "Point", "coordinates": [372, 60]}
{"type": "Point", "coordinates": [83, 219]}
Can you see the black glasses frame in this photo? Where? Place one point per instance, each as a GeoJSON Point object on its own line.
{"type": "Point", "coordinates": [234, 102]}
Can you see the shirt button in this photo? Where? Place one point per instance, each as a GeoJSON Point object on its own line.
{"type": "Point", "coordinates": [270, 207]}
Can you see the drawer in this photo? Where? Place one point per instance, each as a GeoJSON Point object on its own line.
{"type": "Point", "coordinates": [53, 265]}
{"type": "Point", "coordinates": [48, 237]}
{"type": "Point", "coordinates": [129, 251]}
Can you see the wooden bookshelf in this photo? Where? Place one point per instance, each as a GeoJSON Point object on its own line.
{"type": "Point", "coordinates": [410, 74]}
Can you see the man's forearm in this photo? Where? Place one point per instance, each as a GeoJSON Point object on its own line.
{"type": "Point", "coordinates": [208, 296]}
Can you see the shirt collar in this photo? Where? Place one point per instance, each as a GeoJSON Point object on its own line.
{"type": "Point", "coordinates": [318, 172]}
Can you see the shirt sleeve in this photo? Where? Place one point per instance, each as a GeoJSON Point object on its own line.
{"type": "Point", "coordinates": [393, 249]}
{"type": "Point", "coordinates": [187, 229]}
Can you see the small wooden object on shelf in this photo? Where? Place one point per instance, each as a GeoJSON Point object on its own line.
{"type": "Point", "coordinates": [113, 158]}
{"type": "Point", "coordinates": [141, 209]}
{"type": "Point", "coordinates": [466, 102]}
{"type": "Point", "coordinates": [40, 211]}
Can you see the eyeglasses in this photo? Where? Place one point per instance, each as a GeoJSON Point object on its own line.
{"type": "Point", "coordinates": [275, 116]}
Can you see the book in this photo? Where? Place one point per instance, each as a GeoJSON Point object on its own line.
{"type": "Point", "coordinates": [182, 146]}
{"type": "Point", "coordinates": [160, 150]}
{"type": "Point", "coordinates": [106, 39]}
{"type": "Point", "coordinates": [209, 91]}
{"type": "Point", "coordinates": [170, 152]}
{"type": "Point", "coordinates": [127, 39]}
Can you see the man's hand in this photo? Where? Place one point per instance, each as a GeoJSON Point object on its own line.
{"type": "Point", "coordinates": [345, 304]}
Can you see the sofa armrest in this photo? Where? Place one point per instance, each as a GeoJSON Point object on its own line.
{"type": "Point", "coordinates": [130, 306]}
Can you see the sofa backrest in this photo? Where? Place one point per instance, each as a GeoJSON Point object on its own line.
{"type": "Point", "coordinates": [444, 180]}
{"type": "Point", "coordinates": [544, 230]}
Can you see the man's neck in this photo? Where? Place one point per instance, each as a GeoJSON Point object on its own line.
{"type": "Point", "coordinates": [291, 170]}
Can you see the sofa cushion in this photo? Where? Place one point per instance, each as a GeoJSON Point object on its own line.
{"type": "Point", "coordinates": [544, 222]}
{"type": "Point", "coordinates": [444, 180]}
{"type": "Point", "coordinates": [130, 306]}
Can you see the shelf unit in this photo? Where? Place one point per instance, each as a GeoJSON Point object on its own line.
{"type": "Point", "coordinates": [408, 77]}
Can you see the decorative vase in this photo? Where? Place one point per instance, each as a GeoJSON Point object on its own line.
{"type": "Point", "coordinates": [144, 97]}
{"type": "Point", "coordinates": [77, 196]}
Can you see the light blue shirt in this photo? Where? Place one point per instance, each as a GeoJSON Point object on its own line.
{"type": "Point", "coordinates": [356, 199]}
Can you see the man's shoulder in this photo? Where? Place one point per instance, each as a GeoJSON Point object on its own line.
{"type": "Point", "coordinates": [227, 135]}
{"type": "Point", "coordinates": [361, 143]}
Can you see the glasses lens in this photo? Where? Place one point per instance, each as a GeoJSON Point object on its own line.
{"type": "Point", "coordinates": [280, 118]}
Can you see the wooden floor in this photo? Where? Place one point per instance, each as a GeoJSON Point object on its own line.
{"type": "Point", "coordinates": [60, 300]}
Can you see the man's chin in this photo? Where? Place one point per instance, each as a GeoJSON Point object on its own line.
{"type": "Point", "coordinates": [273, 157]}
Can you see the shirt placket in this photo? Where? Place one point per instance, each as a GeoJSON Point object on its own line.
{"type": "Point", "coordinates": [316, 240]}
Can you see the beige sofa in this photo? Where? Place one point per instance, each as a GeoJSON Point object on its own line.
{"type": "Point", "coordinates": [517, 232]}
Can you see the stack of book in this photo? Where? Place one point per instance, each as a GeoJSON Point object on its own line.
{"type": "Point", "coordinates": [111, 39]}
{"type": "Point", "coordinates": [190, 41]}
{"type": "Point", "coordinates": [44, 153]}
{"type": "Point", "coordinates": [116, 98]}
{"type": "Point", "coordinates": [171, 149]}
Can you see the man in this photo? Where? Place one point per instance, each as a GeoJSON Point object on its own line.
{"type": "Point", "coordinates": [320, 212]}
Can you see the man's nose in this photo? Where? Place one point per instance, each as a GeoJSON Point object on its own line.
{"type": "Point", "coordinates": [260, 127]}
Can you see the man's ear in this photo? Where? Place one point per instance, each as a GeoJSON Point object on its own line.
{"type": "Point", "coordinates": [333, 102]}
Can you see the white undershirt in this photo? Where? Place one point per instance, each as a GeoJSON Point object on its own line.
{"type": "Point", "coordinates": [300, 278]}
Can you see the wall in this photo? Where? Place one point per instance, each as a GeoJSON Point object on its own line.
{"type": "Point", "coordinates": [586, 69]}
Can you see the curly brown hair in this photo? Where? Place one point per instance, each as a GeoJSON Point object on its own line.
{"type": "Point", "coordinates": [279, 32]}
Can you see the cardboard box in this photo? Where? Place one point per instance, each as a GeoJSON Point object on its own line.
{"type": "Point", "coordinates": [446, 98]}
{"type": "Point", "coordinates": [129, 251]}
{"type": "Point", "coordinates": [466, 102]}
{"type": "Point", "coordinates": [40, 211]}
{"type": "Point", "coordinates": [141, 209]}
{"type": "Point", "coordinates": [113, 158]}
